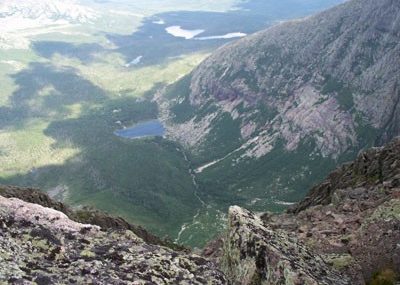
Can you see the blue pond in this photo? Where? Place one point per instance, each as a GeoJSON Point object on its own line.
{"type": "Point", "coordinates": [141, 130]}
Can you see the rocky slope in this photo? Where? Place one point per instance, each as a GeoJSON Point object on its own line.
{"type": "Point", "coordinates": [346, 231]}
{"type": "Point", "coordinates": [41, 245]}
{"type": "Point", "coordinates": [255, 254]}
{"type": "Point", "coordinates": [315, 90]}
{"type": "Point", "coordinates": [84, 214]}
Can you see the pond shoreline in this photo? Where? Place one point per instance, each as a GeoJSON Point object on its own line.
{"type": "Point", "coordinates": [151, 128]}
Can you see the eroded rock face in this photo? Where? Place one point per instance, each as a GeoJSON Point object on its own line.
{"type": "Point", "coordinates": [255, 254]}
{"type": "Point", "coordinates": [348, 226]}
{"type": "Point", "coordinates": [32, 213]}
{"type": "Point", "coordinates": [325, 77]}
{"type": "Point", "coordinates": [40, 245]}
{"type": "Point", "coordinates": [315, 90]}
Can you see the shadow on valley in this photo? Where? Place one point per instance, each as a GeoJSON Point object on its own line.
{"type": "Point", "coordinates": [45, 91]}
{"type": "Point", "coordinates": [154, 45]}
{"type": "Point", "coordinates": [146, 181]}
{"type": "Point", "coordinates": [84, 52]}
{"type": "Point", "coordinates": [151, 44]}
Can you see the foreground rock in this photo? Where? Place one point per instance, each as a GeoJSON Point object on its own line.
{"type": "Point", "coordinates": [255, 254]}
{"type": "Point", "coordinates": [40, 245]}
{"type": "Point", "coordinates": [85, 215]}
{"type": "Point", "coordinates": [347, 231]}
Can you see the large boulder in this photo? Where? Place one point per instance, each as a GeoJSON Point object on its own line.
{"type": "Point", "coordinates": [255, 254]}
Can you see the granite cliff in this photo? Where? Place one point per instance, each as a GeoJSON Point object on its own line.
{"type": "Point", "coordinates": [323, 77]}
{"type": "Point", "coordinates": [313, 91]}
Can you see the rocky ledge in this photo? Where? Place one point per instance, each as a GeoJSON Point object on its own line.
{"type": "Point", "coordinates": [41, 245]}
{"type": "Point", "coordinates": [85, 215]}
{"type": "Point", "coordinates": [346, 231]}
{"type": "Point", "coordinates": [255, 254]}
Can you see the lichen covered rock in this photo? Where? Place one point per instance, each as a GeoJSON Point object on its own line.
{"type": "Point", "coordinates": [255, 254]}
{"type": "Point", "coordinates": [40, 245]}
{"type": "Point", "coordinates": [85, 215]}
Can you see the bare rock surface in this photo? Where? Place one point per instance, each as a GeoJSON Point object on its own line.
{"type": "Point", "coordinates": [40, 245]}
{"type": "Point", "coordinates": [32, 213]}
{"type": "Point", "coordinates": [84, 215]}
{"type": "Point", "coordinates": [255, 254]}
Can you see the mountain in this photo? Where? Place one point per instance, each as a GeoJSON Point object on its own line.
{"type": "Point", "coordinates": [79, 71]}
{"type": "Point", "coordinates": [345, 232]}
{"type": "Point", "coordinates": [269, 115]}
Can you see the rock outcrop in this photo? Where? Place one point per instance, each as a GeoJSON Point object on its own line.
{"type": "Point", "coordinates": [40, 245]}
{"type": "Point", "coordinates": [255, 254]}
{"type": "Point", "coordinates": [84, 215]}
{"type": "Point", "coordinates": [346, 231]}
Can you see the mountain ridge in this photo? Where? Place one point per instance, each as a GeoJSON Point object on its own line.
{"type": "Point", "coordinates": [220, 78]}
{"type": "Point", "coordinates": [313, 91]}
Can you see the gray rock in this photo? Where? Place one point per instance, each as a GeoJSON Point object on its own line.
{"type": "Point", "coordinates": [255, 254]}
{"type": "Point", "coordinates": [44, 246]}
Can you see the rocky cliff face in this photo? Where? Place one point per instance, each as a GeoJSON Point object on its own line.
{"type": "Point", "coordinates": [346, 231]}
{"type": "Point", "coordinates": [323, 77]}
{"type": "Point", "coordinates": [315, 90]}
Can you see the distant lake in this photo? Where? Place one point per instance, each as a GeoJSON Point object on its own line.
{"type": "Point", "coordinates": [141, 130]}
{"type": "Point", "coordinates": [178, 32]}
